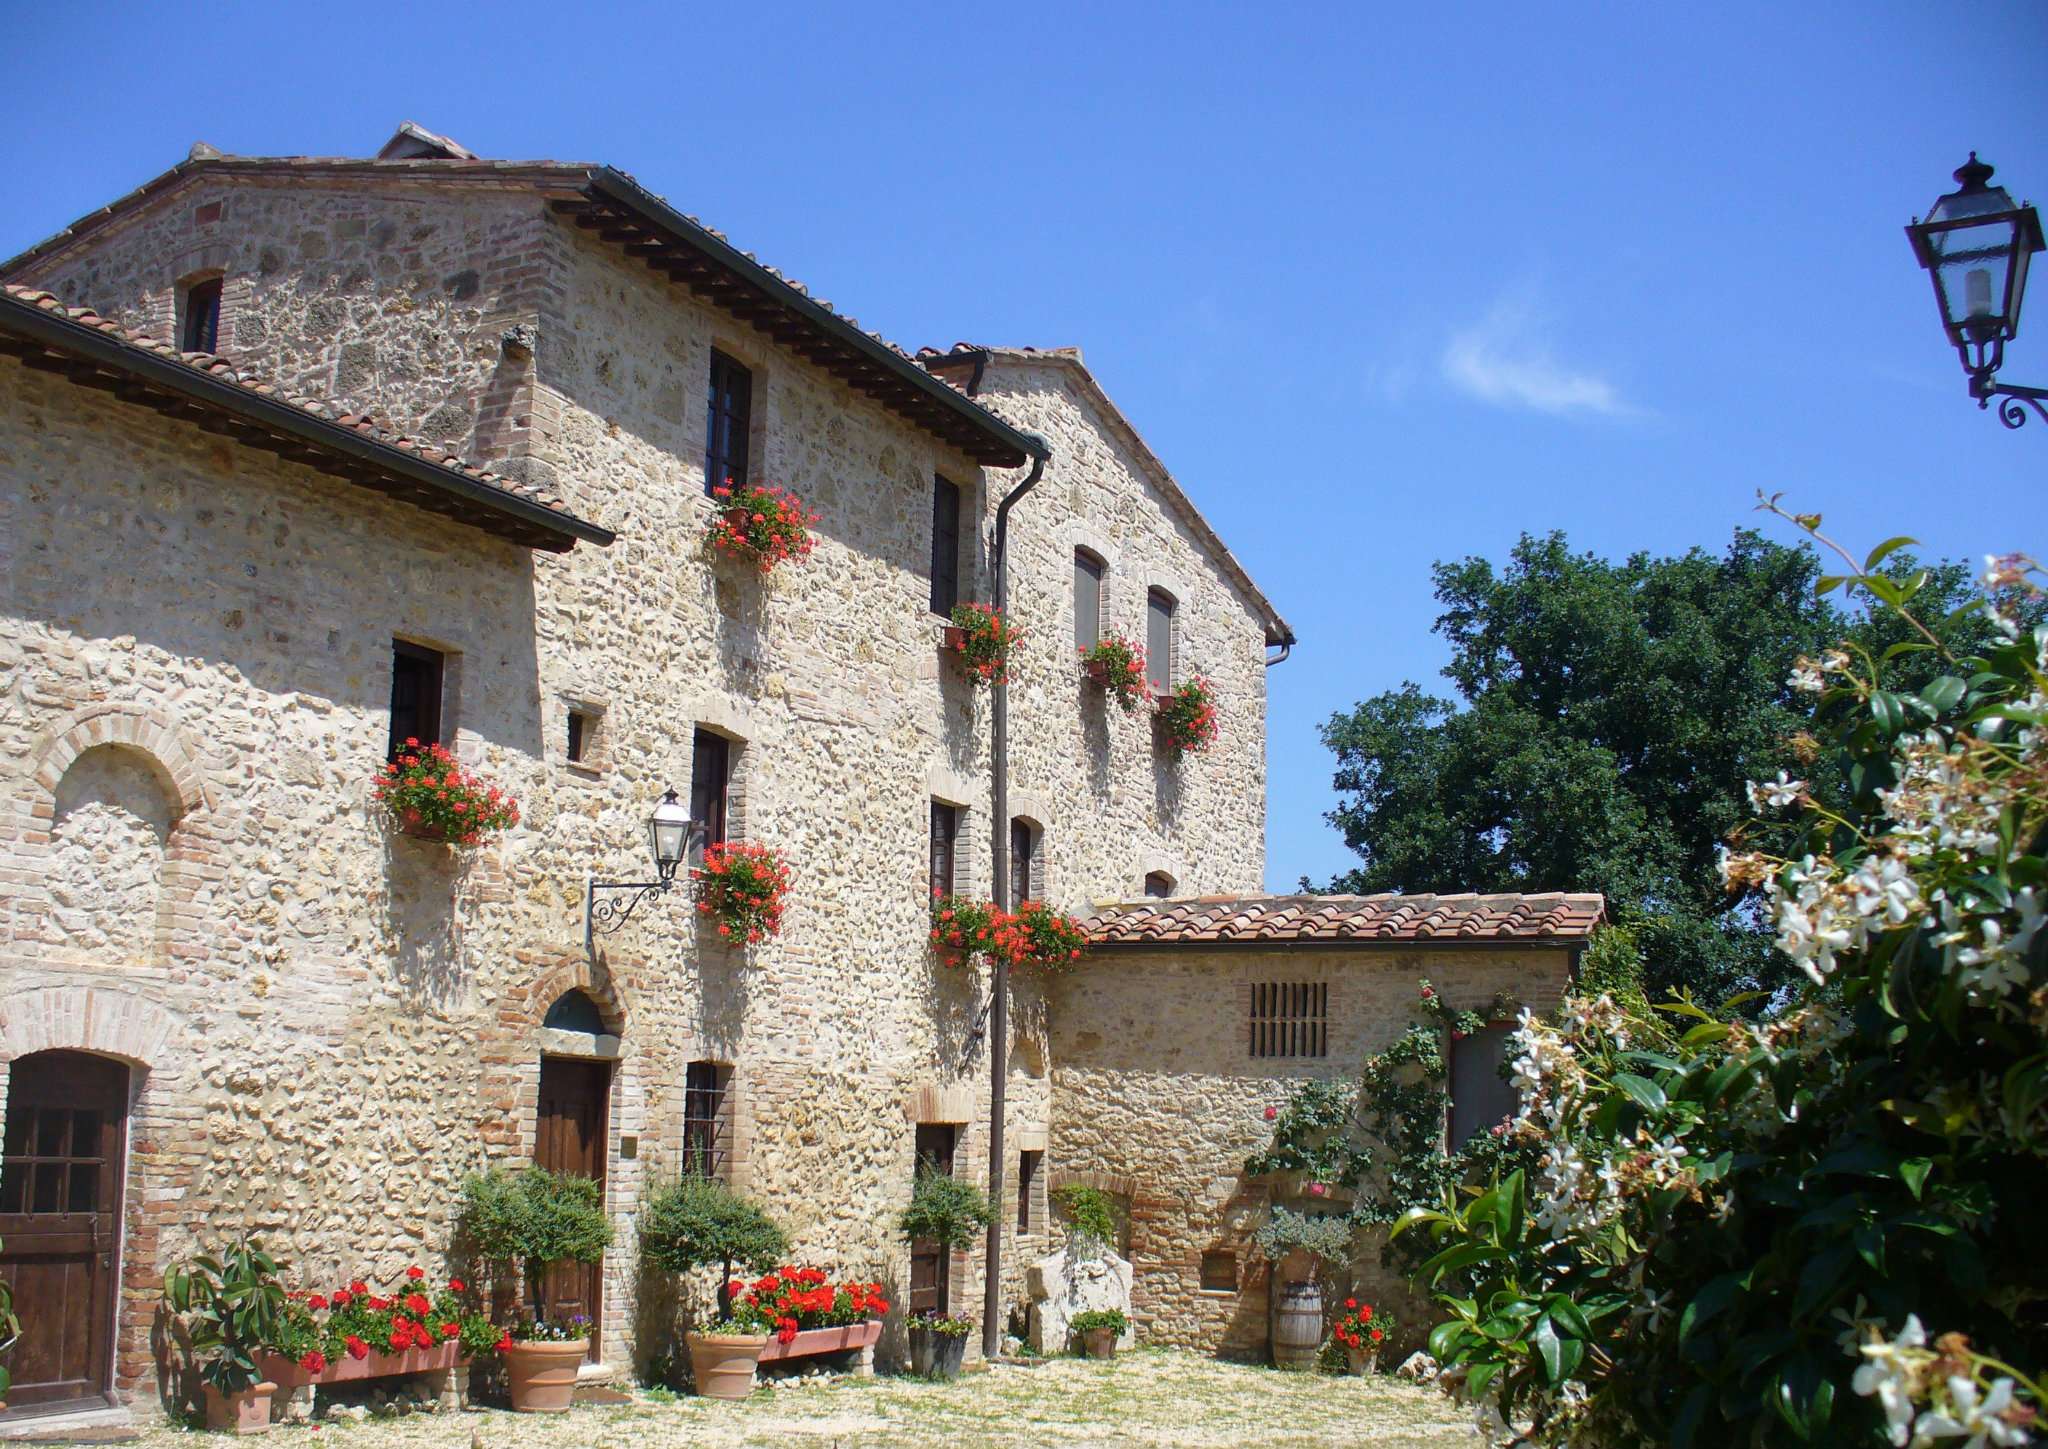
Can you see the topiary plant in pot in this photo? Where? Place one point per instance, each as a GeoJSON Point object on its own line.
{"type": "Point", "coordinates": [694, 1223]}
{"type": "Point", "coordinates": [225, 1308]}
{"type": "Point", "coordinates": [533, 1219]}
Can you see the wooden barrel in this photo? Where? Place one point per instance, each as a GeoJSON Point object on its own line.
{"type": "Point", "coordinates": [1298, 1327]}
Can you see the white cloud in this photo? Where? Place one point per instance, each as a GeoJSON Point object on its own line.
{"type": "Point", "coordinates": [1506, 359]}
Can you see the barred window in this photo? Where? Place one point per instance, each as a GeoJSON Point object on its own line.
{"type": "Point", "coordinates": [1290, 1019]}
{"type": "Point", "coordinates": [704, 1119]}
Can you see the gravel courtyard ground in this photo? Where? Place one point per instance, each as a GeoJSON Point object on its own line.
{"type": "Point", "coordinates": [1150, 1397]}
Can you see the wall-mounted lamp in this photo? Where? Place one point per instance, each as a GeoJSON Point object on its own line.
{"type": "Point", "coordinates": [668, 836]}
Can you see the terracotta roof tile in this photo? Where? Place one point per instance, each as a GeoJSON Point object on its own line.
{"type": "Point", "coordinates": [1225, 919]}
{"type": "Point", "coordinates": [220, 368]}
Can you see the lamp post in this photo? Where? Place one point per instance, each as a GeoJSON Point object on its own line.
{"type": "Point", "coordinates": [1975, 244]}
{"type": "Point", "coordinates": [668, 836]}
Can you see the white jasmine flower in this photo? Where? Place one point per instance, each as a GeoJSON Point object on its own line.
{"type": "Point", "coordinates": [1775, 794]}
{"type": "Point", "coordinates": [1806, 677]}
{"type": "Point", "coordinates": [1974, 1417]}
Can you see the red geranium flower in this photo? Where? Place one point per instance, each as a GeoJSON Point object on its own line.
{"type": "Point", "coordinates": [455, 1285]}
{"type": "Point", "coordinates": [504, 1343]}
{"type": "Point", "coordinates": [415, 1274]}
{"type": "Point", "coordinates": [314, 1362]}
{"type": "Point", "coordinates": [357, 1348]}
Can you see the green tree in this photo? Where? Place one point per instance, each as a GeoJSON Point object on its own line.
{"type": "Point", "coordinates": [1609, 717]}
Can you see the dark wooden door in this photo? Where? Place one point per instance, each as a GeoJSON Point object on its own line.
{"type": "Point", "coordinates": [60, 1223]}
{"type": "Point", "coordinates": [930, 1263]}
{"type": "Point", "coordinates": [570, 1137]}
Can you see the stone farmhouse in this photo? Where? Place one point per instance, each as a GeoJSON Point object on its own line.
{"type": "Point", "coordinates": [300, 457]}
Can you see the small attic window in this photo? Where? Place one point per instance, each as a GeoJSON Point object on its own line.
{"type": "Point", "coordinates": [199, 316]}
{"type": "Point", "coordinates": [575, 1011]}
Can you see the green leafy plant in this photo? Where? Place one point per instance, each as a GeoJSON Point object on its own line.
{"type": "Point", "coordinates": [426, 791]}
{"type": "Point", "coordinates": [10, 1330]}
{"type": "Point", "coordinates": [945, 1210]}
{"type": "Point", "coordinates": [760, 524]}
{"type": "Point", "coordinates": [695, 1222]}
{"type": "Point", "coordinates": [1187, 717]}
{"type": "Point", "coordinates": [1096, 1319]}
{"type": "Point", "coordinates": [963, 928]}
{"type": "Point", "coordinates": [228, 1307]}
{"type": "Point", "coordinates": [1801, 1229]}
{"type": "Point", "coordinates": [740, 890]}
{"type": "Point", "coordinates": [1042, 937]}
{"type": "Point", "coordinates": [532, 1219]}
{"type": "Point", "coordinates": [1091, 1216]}
{"type": "Point", "coordinates": [1327, 1238]}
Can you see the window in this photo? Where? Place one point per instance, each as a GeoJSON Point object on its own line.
{"type": "Point", "coordinates": [1027, 1181]}
{"type": "Point", "coordinates": [930, 1263]}
{"type": "Point", "coordinates": [582, 736]}
{"type": "Point", "coordinates": [1479, 1095]}
{"type": "Point", "coordinates": [1219, 1272]}
{"type": "Point", "coordinates": [1159, 640]}
{"type": "Point", "coordinates": [1290, 1019]}
{"type": "Point", "coordinates": [1087, 599]}
{"type": "Point", "coordinates": [1159, 885]}
{"type": "Point", "coordinates": [1023, 856]}
{"type": "Point", "coordinates": [945, 546]}
{"type": "Point", "coordinates": [416, 674]}
{"type": "Point", "coordinates": [945, 843]}
{"type": "Point", "coordinates": [201, 329]}
{"type": "Point", "coordinates": [710, 770]}
{"type": "Point", "coordinates": [704, 1136]}
{"type": "Point", "coordinates": [728, 422]}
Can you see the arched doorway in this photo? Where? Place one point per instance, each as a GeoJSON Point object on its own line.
{"type": "Point", "coordinates": [571, 1134]}
{"type": "Point", "coordinates": [66, 1142]}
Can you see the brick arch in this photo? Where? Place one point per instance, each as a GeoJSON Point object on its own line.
{"type": "Point", "coordinates": [575, 973]}
{"type": "Point", "coordinates": [512, 1043]}
{"type": "Point", "coordinates": [146, 731]}
{"type": "Point", "coordinates": [117, 1024]}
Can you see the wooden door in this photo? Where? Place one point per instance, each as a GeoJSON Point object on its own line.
{"type": "Point", "coordinates": [60, 1224]}
{"type": "Point", "coordinates": [931, 1264]}
{"type": "Point", "coordinates": [570, 1137]}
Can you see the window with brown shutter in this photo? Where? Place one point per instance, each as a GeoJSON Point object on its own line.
{"type": "Point", "coordinates": [930, 1262]}
{"type": "Point", "coordinates": [1480, 1096]}
{"type": "Point", "coordinates": [728, 422]}
{"type": "Point", "coordinates": [945, 546]}
{"type": "Point", "coordinates": [1159, 640]}
{"type": "Point", "coordinates": [416, 677]}
{"type": "Point", "coordinates": [945, 842]}
{"type": "Point", "coordinates": [1290, 1019]}
{"type": "Point", "coordinates": [710, 770]}
{"type": "Point", "coordinates": [1087, 599]}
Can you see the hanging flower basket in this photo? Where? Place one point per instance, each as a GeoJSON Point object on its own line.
{"type": "Point", "coordinates": [428, 795]}
{"type": "Point", "coordinates": [1043, 937]}
{"type": "Point", "coordinates": [740, 890]}
{"type": "Point", "coordinates": [963, 929]}
{"type": "Point", "coordinates": [1187, 717]}
{"type": "Point", "coordinates": [983, 638]}
{"type": "Point", "coordinates": [760, 524]}
{"type": "Point", "coordinates": [1116, 666]}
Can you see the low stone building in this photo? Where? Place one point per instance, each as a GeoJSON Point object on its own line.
{"type": "Point", "coordinates": [426, 451]}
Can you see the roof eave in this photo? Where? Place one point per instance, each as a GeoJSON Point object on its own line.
{"type": "Point", "coordinates": [532, 524]}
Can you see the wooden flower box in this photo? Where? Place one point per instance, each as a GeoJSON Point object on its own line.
{"type": "Point", "coordinates": [286, 1373]}
{"type": "Point", "coordinates": [813, 1341]}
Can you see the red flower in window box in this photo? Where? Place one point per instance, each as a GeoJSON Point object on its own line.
{"type": "Point", "coordinates": [760, 524]}
{"type": "Point", "coordinates": [740, 891]}
{"type": "Point", "coordinates": [983, 638]}
{"type": "Point", "coordinates": [1187, 717]}
{"type": "Point", "coordinates": [1116, 666]}
{"type": "Point", "coordinates": [429, 795]}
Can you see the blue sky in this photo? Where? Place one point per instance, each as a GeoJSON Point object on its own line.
{"type": "Point", "coordinates": [1382, 284]}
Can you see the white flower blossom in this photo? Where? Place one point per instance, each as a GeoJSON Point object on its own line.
{"type": "Point", "coordinates": [1884, 1373]}
{"type": "Point", "coordinates": [1973, 1416]}
{"type": "Point", "coordinates": [1775, 794]}
{"type": "Point", "coordinates": [1806, 677]}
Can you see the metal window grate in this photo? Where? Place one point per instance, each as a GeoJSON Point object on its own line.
{"type": "Point", "coordinates": [1290, 1019]}
{"type": "Point", "coordinates": [704, 1119]}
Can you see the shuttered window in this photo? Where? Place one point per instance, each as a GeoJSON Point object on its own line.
{"type": "Point", "coordinates": [710, 771]}
{"type": "Point", "coordinates": [1023, 850]}
{"type": "Point", "coordinates": [931, 1287]}
{"type": "Point", "coordinates": [945, 845]}
{"type": "Point", "coordinates": [728, 422]}
{"type": "Point", "coordinates": [1480, 1097]}
{"type": "Point", "coordinates": [1290, 1019]}
{"type": "Point", "coordinates": [1159, 640]}
{"type": "Point", "coordinates": [1087, 599]}
{"type": "Point", "coordinates": [945, 546]}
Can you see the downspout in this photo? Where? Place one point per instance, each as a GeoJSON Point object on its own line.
{"type": "Point", "coordinates": [1286, 648]}
{"type": "Point", "coordinates": [999, 880]}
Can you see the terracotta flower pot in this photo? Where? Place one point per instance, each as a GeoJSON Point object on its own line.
{"type": "Point", "coordinates": [247, 1412]}
{"type": "Point", "coordinates": [1099, 1342]}
{"type": "Point", "coordinates": [723, 1364]}
{"type": "Point", "coordinates": [542, 1376]}
{"type": "Point", "coordinates": [1362, 1361]}
{"type": "Point", "coordinates": [952, 639]}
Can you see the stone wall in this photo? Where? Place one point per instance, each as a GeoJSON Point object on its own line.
{"type": "Point", "coordinates": [1157, 1098]}
{"type": "Point", "coordinates": [356, 1016]}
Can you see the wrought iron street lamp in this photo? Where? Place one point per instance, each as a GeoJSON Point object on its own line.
{"type": "Point", "coordinates": [1975, 245]}
{"type": "Point", "coordinates": [669, 832]}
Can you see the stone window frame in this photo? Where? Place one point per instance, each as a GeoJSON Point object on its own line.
{"type": "Point", "coordinates": [597, 736]}
{"type": "Point", "coordinates": [759, 363]}
{"type": "Point", "coordinates": [1081, 539]}
{"type": "Point", "coordinates": [1035, 811]}
{"type": "Point", "coordinates": [1199, 1261]}
{"type": "Point", "coordinates": [731, 721]}
{"type": "Point", "coordinates": [971, 867]}
{"type": "Point", "coordinates": [452, 658]}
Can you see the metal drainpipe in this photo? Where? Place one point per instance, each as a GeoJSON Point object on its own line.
{"type": "Point", "coordinates": [999, 1009]}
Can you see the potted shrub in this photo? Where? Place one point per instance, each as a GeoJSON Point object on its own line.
{"type": "Point", "coordinates": [983, 639]}
{"type": "Point", "coordinates": [938, 1344]}
{"type": "Point", "coordinates": [1116, 666]}
{"type": "Point", "coordinates": [226, 1309]}
{"type": "Point", "coordinates": [1098, 1331]}
{"type": "Point", "coordinates": [429, 796]}
{"type": "Point", "coordinates": [535, 1219]}
{"type": "Point", "coordinates": [740, 888]}
{"type": "Point", "coordinates": [760, 524]}
{"type": "Point", "coordinates": [1187, 717]}
{"type": "Point", "coordinates": [695, 1223]}
{"type": "Point", "coordinates": [1359, 1333]}
{"type": "Point", "coordinates": [945, 1210]}
{"type": "Point", "coordinates": [1323, 1241]}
